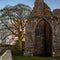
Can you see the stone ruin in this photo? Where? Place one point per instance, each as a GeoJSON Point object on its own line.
{"type": "Point", "coordinates": [6, 56]}
{"type": "Point", "coordinates": [43, 31]}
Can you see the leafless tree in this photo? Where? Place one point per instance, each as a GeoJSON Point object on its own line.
{"type": "Point", "coordinates": [14, 19]}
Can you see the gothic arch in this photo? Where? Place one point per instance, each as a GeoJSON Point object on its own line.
{"type": "Point", "coordinates": [43, 39]}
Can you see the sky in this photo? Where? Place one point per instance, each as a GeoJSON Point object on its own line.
{"type": "Point", "coordinates": [53, 4]}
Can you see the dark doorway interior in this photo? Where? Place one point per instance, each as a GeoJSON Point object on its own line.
{"type": "Point", "coordinates": [43, 39]}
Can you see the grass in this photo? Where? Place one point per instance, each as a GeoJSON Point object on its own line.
{"type": "Point", "coordinates": [1, 53]}
{"type": "Point", "coordinates": [33, 58]}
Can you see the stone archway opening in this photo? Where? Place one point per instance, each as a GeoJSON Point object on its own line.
{"type": "Point", "coordinates": [43, 39]}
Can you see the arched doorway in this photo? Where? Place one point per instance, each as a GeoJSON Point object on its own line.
{"type": "Point", "coordinates": [43, 39]}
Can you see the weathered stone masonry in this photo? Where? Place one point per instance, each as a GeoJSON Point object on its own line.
{"type": "Point", "coordinates": [42, 12]}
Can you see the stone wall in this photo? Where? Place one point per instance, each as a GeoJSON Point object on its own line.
{"type": "Point", "coordinates": [57, 12]}
{"type": "Point", "coordinates": [34, 19]}
{"type": "Point", "coordinates": [6, 56]}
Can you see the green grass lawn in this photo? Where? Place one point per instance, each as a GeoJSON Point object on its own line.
{"type": "Point", "coordinates": [33, 58]}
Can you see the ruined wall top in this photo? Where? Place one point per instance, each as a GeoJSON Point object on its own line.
{"type": "Point", "coordinates": [57, 12]}
{"type": "Point", "coordinates": [38, 8]}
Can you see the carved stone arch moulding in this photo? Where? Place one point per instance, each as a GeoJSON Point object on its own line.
{"type": "Point", "coordinates": [43, 38]}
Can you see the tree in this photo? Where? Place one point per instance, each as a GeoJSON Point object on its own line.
{"type": "Point", "coordinates": [14, 19]}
